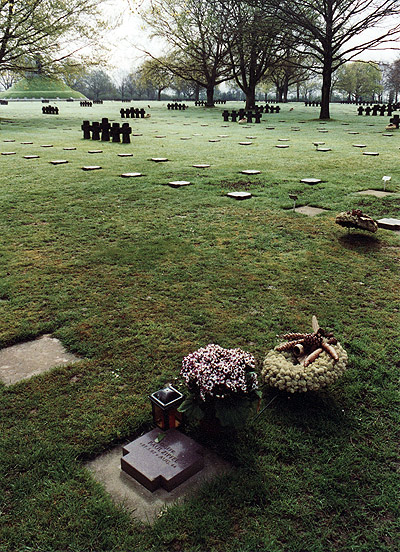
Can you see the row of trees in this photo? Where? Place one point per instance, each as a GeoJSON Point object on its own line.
{"type": "Point", "coordinates": [250, 41]}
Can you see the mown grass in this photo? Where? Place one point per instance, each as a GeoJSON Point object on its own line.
{"type": "Point", "coordinates": [133, 275]}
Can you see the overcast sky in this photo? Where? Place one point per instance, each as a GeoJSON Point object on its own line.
{"type": "Point", "coordinates": [126, 41]}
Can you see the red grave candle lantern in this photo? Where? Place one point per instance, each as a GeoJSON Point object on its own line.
{"type": "Point", "coordinates": [165, 404]}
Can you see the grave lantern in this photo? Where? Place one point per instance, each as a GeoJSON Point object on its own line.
{"type": "Point", "coordinates": [165, 404]}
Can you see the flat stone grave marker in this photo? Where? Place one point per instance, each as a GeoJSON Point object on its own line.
{"type": "Point", "coordinates": [22, 361]}
{"type": "Point", "coordinates": [178, 183]}
{"type": "Point", "coordinates": [69, 149]}
{"type": "Point", "coordinates": [226, 136]}
{"type": "Point", "coordinates": [245, 143]}
{"type": "Point", "coordinates": [31, 156]}
{"type": "Point", "coordinates": [159, 159]}
{"type": "Point", "coordinates": [309, 211]}
{"type": "Point", "coordinates": [26, 143]}
{"type": "Point", "coordinates": [137, 499]}
{"type": "Point", "coordinates": [197, 134]}
{"type": "Point", "coordinates": [239, 195]}
{"type": "Point", "coordinates": [387, 134]}
{"type": "Point", "coordinates": [46, 146]}
{"type": "Point", "coordinates": [353, 132]}
{"type": "Point", "coordinates": [185, 138]}
{"type": "Point", "coordinates": [160, 136]}
{"type": "Point", "coordinates": [139, 133]}
{"type": "Point", "coordinates": [9, 140]}
{"type": "Point", "coordinates": [95, 151]}
{"type": "Point", "coordinates": [201, 166]}
{"type": "Point", "coordinates": [294, 129]}
{"type": "Point", "coordinates": [283, 140]}
{"type": "Point", "coordinates": [91, 168]}
{"type": "Point", "coordinates": [282, 146]}
{"type": "Point", "coordinates": [214, 140]}
{"type": "Point", "coordinates": [370, 153]}
{"type": "Point", "coordinates": [359, 146]}
{"type": "Point", "coordinates": [375, 193]}
{"type": "Point", "coordinates": [251, 137]}
{"type": "Point", "coordinates": [125, 155]}
{"type": "Point", "coordinates": [131, 175]}
{"type": "Point", "coordinates": [322, 130]}
{"type": "Point", "coordinates": [203, 124]}
{"type": "Point", "coordinates": [8, 153]}
{"type": "Point", "coordinates": [250, 171]}
{"type": "Point", "coordinates": [269, 128]}
{"type": "Point", "coordinates": [58, 162]}
{"type": "Point", "coordinates": [318, 144]}
{"type": "Point", "coordinates": [166, 463]}
{"type": "Point", "coordinates": [311, 180]}
{"type": "Point", "coordinates": [324, 149]}
{"type": "Point", "coordinates": [345, 124]}
{"type": "Point", "coordinates": [389, 224]}
{"type": "Point", "coordinates": [281, 121]}
{"type": "Point", "coordinates": [224, 126]}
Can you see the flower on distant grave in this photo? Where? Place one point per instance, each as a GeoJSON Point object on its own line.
{"type": "Point", "coordinates": [222, 381]}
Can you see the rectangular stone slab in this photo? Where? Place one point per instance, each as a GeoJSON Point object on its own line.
{"type": "Point", "coordinates": [166, 464]}
{"type": "Point", "coordinates": [389, 223]}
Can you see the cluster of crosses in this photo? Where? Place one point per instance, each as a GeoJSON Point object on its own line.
{"type": "Point", "coordinates": [395, 120]}
{"type": "Point", "coordinates": [203, 102]}
{"type": "Point", "coordinates": [132, 112]}
{"type": "Point", "coordinates": [86, 103]}
{"type": "Point", "coordinates": [312, 104]}
{"type": "Point", "coordinates": [3, 102]}
{"type": "Point", "coordinates": [374, 110]}
{"type": "Point", "coordinates": [99, 102]}
{"type": "Point", "coordinates": [50, 110]}
{"type": "Point", "coordinates": [104, 131]}
{"type": "Point", "coordinates": [249, 115]}
{"type": "Point", "coordinates": [177, 105]}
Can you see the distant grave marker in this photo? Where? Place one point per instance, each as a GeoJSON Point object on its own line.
{"type": "Point", "coordinates": [359, 146]}
{"type": "Point", "coordinates": [250, 171]}
{"type": "Point", "coordinates": [373, 153]}
{"type": "Point", "coordinates": [58, 162]}
{"type": "Point", "coordinates": [375, 193]}
{"type": "Point", "coordinates": [311, 181]}
{"type": "Point", "coordinates": [46, 146]}
{"type": "Point", "coordinates": [389, 224]}
{"type": "Point", "coordinates": [95, 151]}
{"type": "Point", "coordinates": [201, 166]}
{"type": "Point", "coordinates": [309, 211]}
{"type": "Point", "coordinates": [159, 159]}
{"type": "Point", "coordinates": [282, 146]}
{"type": "Point", "coordinates": [179, 183]}
{"type": "Point", "coordinates": [8, 153]}
{"type": "Point", "coordinates": [245, 143]}
{"type": "Point", "coordinates": [31, 156]}
{"type": "Point", "coordinates": [125, 155]}
{"type": "Point", "coordinates": [69, 149]}
{"type": "Point", "coordinates": [131, 175]}
{"type": "Point", "coordinates": [91, 168]}
{"type": "Point", "coordinates": [239, 195]}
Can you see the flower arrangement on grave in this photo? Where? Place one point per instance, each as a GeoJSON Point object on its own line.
{"type": "Point", "coordinates": [222, 384]}
{"type": "Point", "coordinates": [356, 219]}
{"type": "Point", "coordinates": [305, 362]}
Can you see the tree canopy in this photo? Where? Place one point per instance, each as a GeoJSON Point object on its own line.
{"type": "Point", "coordinates": [37, 34]}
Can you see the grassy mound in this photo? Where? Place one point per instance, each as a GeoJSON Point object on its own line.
{"type": "Point", "coordinates": [39, 86]}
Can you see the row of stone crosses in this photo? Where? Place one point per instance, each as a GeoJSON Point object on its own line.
{"type": "Point", "coordinates": [50, 110]}
{"type": "Point", "coordinates": [105, 131]}
{"type": "Point", "coordinates": [132, 112]}
{"type": "Point", "coordinates": [312, 104]}
{"type": "Point", "coordinates": [204, 103]}
{"type": "Point", "coordinates": [177, 105]}
{"type": "Point", "coordinates": [248, 115]}
{"type": "Point", "coordinates": [381, 108]}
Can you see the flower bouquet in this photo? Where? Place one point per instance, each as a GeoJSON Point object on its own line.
{"type": "Point", "coordinates": [222, 384]}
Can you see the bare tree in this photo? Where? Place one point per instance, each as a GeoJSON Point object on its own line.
{"type": "Point", "coordinates": [333, 31]}
{"type": "Point", "coordinates": [196, 37]}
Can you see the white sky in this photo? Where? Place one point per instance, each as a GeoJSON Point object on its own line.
{"type": "Point", "coordinates": [126, 41]}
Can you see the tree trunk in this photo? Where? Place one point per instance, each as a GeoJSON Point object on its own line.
{"type": "Point", "coordinates": [326, 86]}
{"type": "Point", "coordinates": [279, 94]}
{"type": "Point", "coordinates": [298, 92]}
{"type": "Point", "coordinates": [197, 92]}
{"type": "Point", "coordinates": [251, 97]}
{"type": "Point", "coordinates": [210, 95]}
{"type": "Point", "coordinates": [159, 93]}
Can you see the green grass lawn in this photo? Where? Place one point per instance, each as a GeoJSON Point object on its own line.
{"type": "Point", "coordinates": [133, 275]}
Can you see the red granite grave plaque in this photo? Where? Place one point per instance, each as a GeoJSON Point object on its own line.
{"type": "Point", "coordinates": [162, 462]}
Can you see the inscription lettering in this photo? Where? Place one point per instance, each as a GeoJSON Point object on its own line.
{"type": "Point", "coordinates": [161, 452]}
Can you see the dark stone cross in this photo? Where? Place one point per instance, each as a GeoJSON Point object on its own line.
{"type": "Point", "coordinates": [105, 130]}
{"type": "Point", "coordinates": [96, 131]}
{"type": "Point", "coordinates": [115, 132]}
{"type": "Point", "coordinates": [86, 130]}
{"type": "Point", "coordinates": [126, 131]}
{"type": "Point", "coordinates": [166, 463]}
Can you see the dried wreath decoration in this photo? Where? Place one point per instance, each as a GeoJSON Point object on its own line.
{"type": "Point", "coordinates": [306, 362]}
{"type": "Point", "coordinates": [356, 219]}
